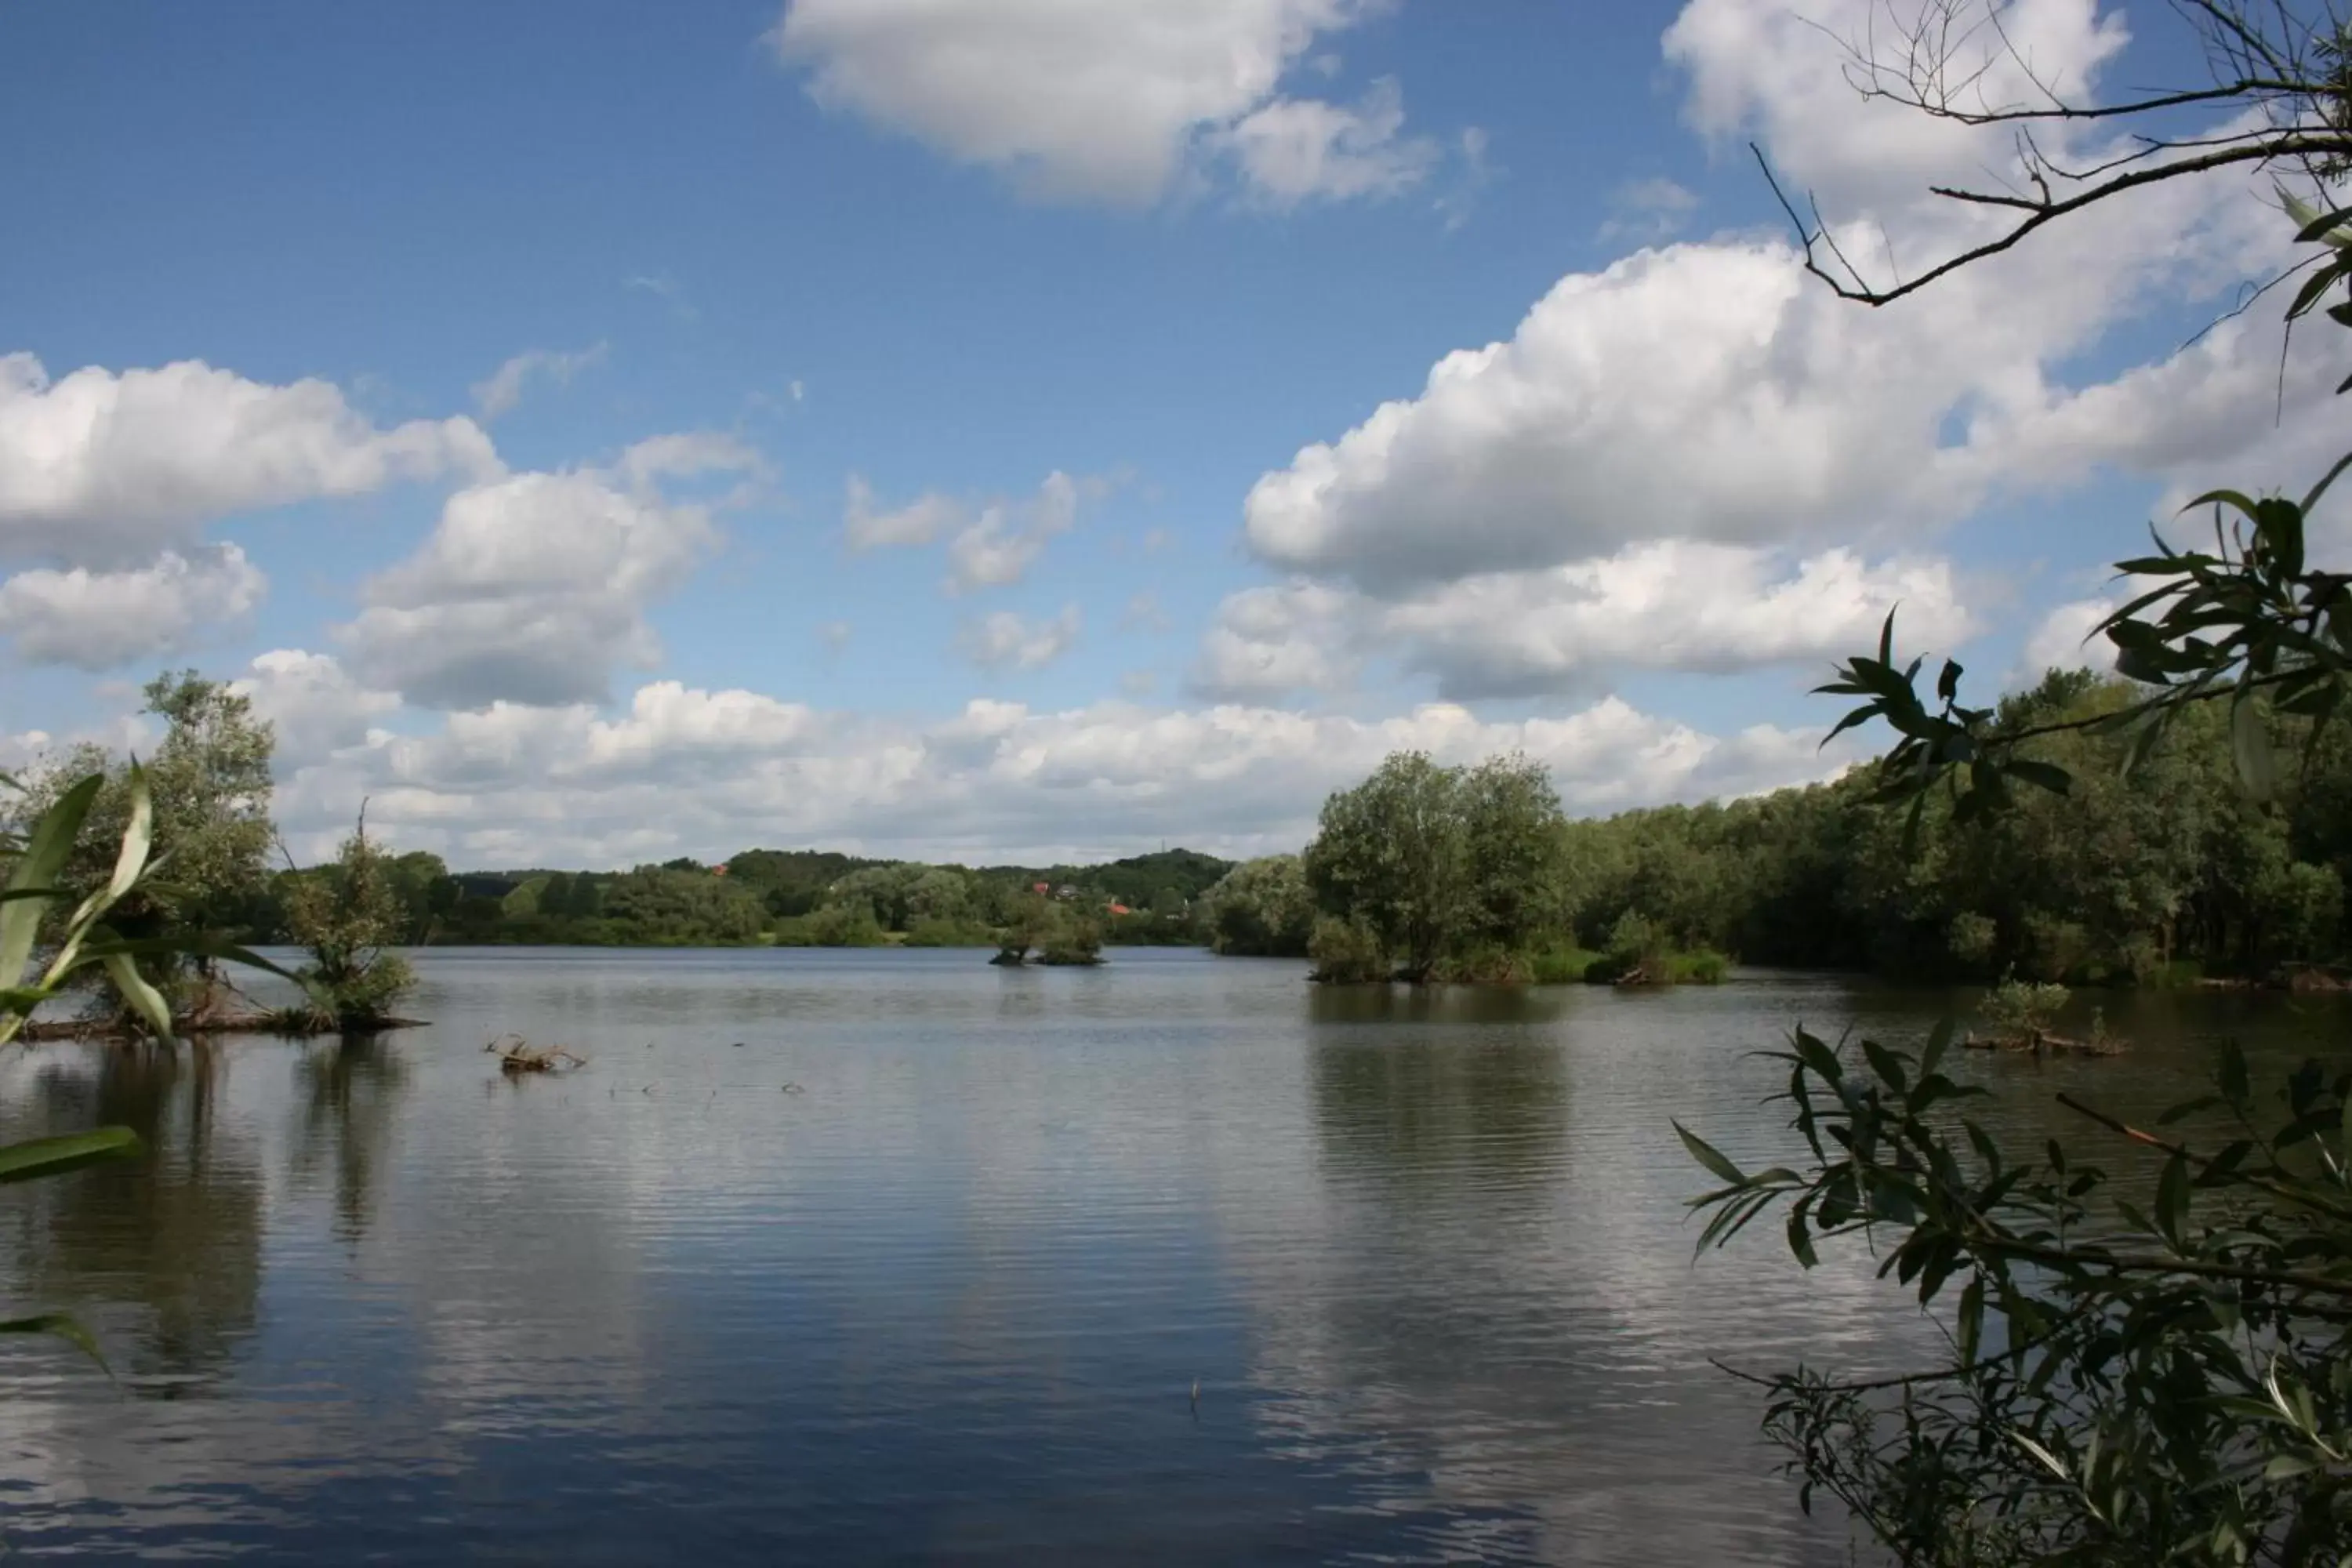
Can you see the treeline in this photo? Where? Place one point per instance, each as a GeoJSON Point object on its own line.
{"type": "Point", "coordinates": [2168, 873]}
{"type": "Point", "coordinates": [790, 898]}
{"type": "Point", "coordinates": [1428, 873]}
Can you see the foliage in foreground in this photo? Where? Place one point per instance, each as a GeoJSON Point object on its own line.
{"type": "Point", "coordinates": [78, 939]}
{"type": "Point", "coordinates": [2142, 1367]}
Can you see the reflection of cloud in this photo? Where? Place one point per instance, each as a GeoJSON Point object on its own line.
{"type": "Point", "coordinates": [1474, 1291]}
{"type": "Point", "coordinates": [1424, 1252]}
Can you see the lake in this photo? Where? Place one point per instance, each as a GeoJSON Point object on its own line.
{"type": "Point", "coordinates": [893, 1255]}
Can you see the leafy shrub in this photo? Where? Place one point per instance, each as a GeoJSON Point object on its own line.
{"type": "Point", "coordinates": [1561, 963]}
{"type": "Point", "coordinates": [1069, 938]}
{"type": "Point", "coordinates": [1700, 966]}
{"type": "Point", "coordinates": [2021, 1009]}
{"type": "Point", "coordinates": [348, 915]}
{"type": "Point", "coordinates": [1346, 952]}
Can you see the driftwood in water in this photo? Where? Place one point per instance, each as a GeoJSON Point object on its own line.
{"type": "Point", "coordinates": [2042, 1042]}
{"type": "Point", "coordinates": [293, 1023]}
{"type": "Point", "coordinates": [517, 1055]}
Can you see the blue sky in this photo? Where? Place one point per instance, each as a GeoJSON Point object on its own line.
{"type": "Point", "coordinates": [1078, 283]}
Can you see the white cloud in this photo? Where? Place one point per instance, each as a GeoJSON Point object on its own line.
{"type": "Point", "coordinates": [104, 620]}
{"type": "Point", "coordinates": [105, 469]}
{"type": "Point", "coordinates": [697, 772]}
{"type": "Point", "coordinates": [1668, 606]}
{"type": "Point", "coordinates": [504, 387]}
{"type": "Point", "coordinates": [1645, 211]}
{"type": "Point", "coordinates": [1300, 637]}
{"type": "Point", "coordinates": [1671, 606]}
{"type": "Point", "coordinates": [920, 521]}
{"type": "Point", "coordinates": [1757, 68]}
{"type": "Point", "coordinates": [1300, 150]}
{"type": "Point", "coordinates": [1079, 99]}
{"type": "Point", "coordinates": [998, 547]}
{"type": "Point", "coordinates": [2063, 640]}
{"type": "Point", "coordinates": [533, 586]}
{"type": "Point", "coordinates": [1008, 640]}
{"type": "Point", "coordinates": [313, 704]}
{"type": "Point", "coordinates": [1715, 392]}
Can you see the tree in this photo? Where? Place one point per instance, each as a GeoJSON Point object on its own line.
{"type": "Point", "coordinates": [209, 781]}
{"type": "Point", "coordinates": [654, 904]}
{"type": "Point", "coordinates": [350, 916]}
{"type": "Point", "coordinates": [1389, 853]}
{"type": "Point", "coordinates": [1262, 908]}
{"type": "Point", "coordinates": [2279, 91]}
{"type": "Point", "coordinates": [2125, 1384]}
{"type": "Point", "coordinates": [1434, 861]}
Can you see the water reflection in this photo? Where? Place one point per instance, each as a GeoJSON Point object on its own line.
{"type": "Point", "coordinates": [1482, 1109]}
{"type": "Point", "coordinates": [350, 1093]}
{"type": "Point", "coordinates": [1424, 1251]}
{"type": "Point", "coordinates": [177, 1235]}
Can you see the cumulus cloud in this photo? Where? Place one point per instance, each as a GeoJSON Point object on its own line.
{"type": "Point", "coordinates": [866, 525]}
{"type": "Point", "coordinates": [2063, 640]}
{"type": "Point", "coordinates": [503, 388]}
{"type": "Point", "coordinates": [1300, 150]}
{"type": "Point", "coordinates": [533, 586]}
{"type": "Point", "coordinates": [1299, 637]}
{"type": "Point", "coordinates": [1009, 640]}
{"type": "Point", "coordinates": [1666, 605]}
{"type": "Point", "coordinates": [998, 547]}
{"type": "Point", "coordinates": [1698, 458]}
{"type": "Point", "coordinates": [1779, 73]}
{"type": "Point", "coordinates": [1076, 100]}
{"type": "Point", "coordinates": [105, 469]}
{"type": "Point", "coordinates": [700, 771]}
{"type": "Point", "coordinates": [104, 620]}
{"type": "Point", "coordinates": [1671, 606]}
{"type": "Point", "coordinates": [313, 704]}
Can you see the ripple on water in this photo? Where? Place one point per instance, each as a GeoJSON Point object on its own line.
{"type": "Point", "coordinates": [948, 1295]}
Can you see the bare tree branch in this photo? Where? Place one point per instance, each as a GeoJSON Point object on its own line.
{"type": "Point", "coordinates": [2042, 209]}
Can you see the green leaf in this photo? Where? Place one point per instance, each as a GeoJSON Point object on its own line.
{"type": "Point", "coordinates": [1939, 1040]}
{"type": "Point", "coordinates": [44, 856]}
{"type": "Point", "coordinates": [2250, 746]}
{"type": "Point", "coordinates": [138, 838]}
{"type": "Point", "coordinates": [2172, 1198]}
{"type": "Point", "coordinates": [2042, 775]}
{"type": "Point", "coordinates": [144, 998]}
{"type": "Point", "coordinates": [197, 945]}
{"type": "Point", "coordinates": [1707, 1155]}
{"type": "Point", "coordinates": [38, 1157]}
{"type": "Point", "coordinates": [62, 1326]}
{"type": "Point", "coordinates": [1970, 1323]}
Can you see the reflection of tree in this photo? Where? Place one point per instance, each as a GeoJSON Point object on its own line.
{"type": "Point", "coordinates": [1477, 1107]}
{"type": "Point", "coordinates": [353, 1091]}
{"type": "Point", "coordinates": [179, 1233]}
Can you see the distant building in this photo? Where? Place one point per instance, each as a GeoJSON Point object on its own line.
{"type": "Point", "coordinates": [1040, 888]}
{"type": "Point", "coordinates": [1119, 908]}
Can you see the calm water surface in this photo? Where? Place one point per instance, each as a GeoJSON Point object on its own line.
{"type": "Point", "coordinates": [898, 1257]}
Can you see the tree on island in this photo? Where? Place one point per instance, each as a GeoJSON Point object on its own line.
{"type": "Point", "coordinates": [208, 779]}
{"type": "Point", "coordinates": [1423, 863]}
{"type": "Point", "coordinates": [349, 915]}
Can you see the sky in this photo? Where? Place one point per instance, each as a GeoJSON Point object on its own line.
{"type": "Point", "coordinates": [1020, 429]}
